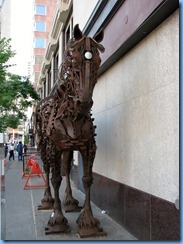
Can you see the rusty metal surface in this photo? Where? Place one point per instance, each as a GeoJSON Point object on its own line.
{"type": "Point", "coordinates": [63, 123]}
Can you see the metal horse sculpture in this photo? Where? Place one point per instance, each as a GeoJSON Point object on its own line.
{"type": "Point", "coordinates": [68, 126]}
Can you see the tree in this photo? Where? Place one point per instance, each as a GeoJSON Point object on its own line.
{"type": "Point", "coordinates": [5, 54]}
{"type": "Point", "coordinates": [16, 92]}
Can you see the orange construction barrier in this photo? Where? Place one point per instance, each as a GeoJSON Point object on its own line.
{"type": "Point", "coordinates": [35, 171]}
{"type": "Point", "coordinates": [29, 164]}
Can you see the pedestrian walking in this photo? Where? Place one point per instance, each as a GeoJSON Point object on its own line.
{"type": "Point", "coordinates": [5, 150]}
{"type": "Point", "coordinates": [11, 152]}
{"type": "Point", "coordinates": [19, 150]}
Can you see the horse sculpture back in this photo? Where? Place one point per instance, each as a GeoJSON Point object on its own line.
{"type": "Point", "coordinates": [69, 126]}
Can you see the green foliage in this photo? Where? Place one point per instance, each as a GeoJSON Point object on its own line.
{"type": "Point", "coordinates": [5, 54]}
{"type": "Point", "coordinates": [9, 121]}
{"type": "Point", "coordinates": [17, 93]}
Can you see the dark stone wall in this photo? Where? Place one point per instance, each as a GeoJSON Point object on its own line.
{"type": "Point", "coordinates": [145, 216]}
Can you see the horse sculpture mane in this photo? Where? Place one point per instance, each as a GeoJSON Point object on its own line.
{"type": "Point", "coordinates": [64, 124]}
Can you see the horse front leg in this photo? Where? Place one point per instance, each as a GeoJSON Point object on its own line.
{"type": "Point", "coordinates": [70, 203]}
{"type": "Point", "coordinates": [57, 222]}
{"type": "Point", "coordinates": [47, 201]}
{"type": "Point", "coordinates": [88, 225]}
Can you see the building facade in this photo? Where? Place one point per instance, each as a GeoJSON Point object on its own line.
{"type": "Point", "coordinates": [43, 12]}
{"type": "Point", "coordinates": [4, 19]}
{"type": "Point", "coordinates": [136, 108]}
{"type": "Point", "coordinates": [43, 15]}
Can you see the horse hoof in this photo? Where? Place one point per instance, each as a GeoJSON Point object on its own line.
{"type": "Point", "coordinates": [57, 229]}
{"type": "Point", "coordinates": [71, 205]}
{"type": "Point", "coordinates": [72, 208]}
{"type": "Point", "coordinates": [91, 232]}
{"type": "Point", "coordinates": [46, 205]}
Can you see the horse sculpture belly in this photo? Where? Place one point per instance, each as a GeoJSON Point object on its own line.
{"type": "Point", "coordinates": [68, 126]}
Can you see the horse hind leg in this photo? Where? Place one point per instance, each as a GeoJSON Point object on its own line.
{"type": "Point", "coordinates": [47, 201]}
{"type": "Point", "coordinates": [70, 203]}
{"type": "Point", "coordinates": [57, 222]}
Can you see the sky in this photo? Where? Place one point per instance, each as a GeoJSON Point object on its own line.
{"type": "Point", "coordinates": [21, 31]}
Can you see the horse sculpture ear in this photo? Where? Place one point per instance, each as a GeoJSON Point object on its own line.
{"type": "Point", "coordinates": [98, 37]}
{"type": "Point", "coordinates": [77, 33]}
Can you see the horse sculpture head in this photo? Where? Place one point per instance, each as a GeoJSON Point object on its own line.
{"type": "Point", "coordinates": [79, 71]}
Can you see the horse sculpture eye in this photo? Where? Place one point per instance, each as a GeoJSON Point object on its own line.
{"type": "Point", "coordinates": [88, 55]}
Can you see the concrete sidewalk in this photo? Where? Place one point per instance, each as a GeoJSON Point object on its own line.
{"type": "Point", "coordinates": [22, 220]}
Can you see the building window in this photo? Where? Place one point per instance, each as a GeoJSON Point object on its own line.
{"type": "Point", "coordinates": [55, 68]}
{"type": "Point", "coordinates": [49, 81]}
{"type": "Point", "coordinates": [41, 93]}
{"type": "Point", "coordinates": [44, 95]}
{"type": "Point", "coordinates": [68, 34]}
{"type": "Point", "coordinates": [36, 76]}
{"type": "Point", "coordinates": [39, 59]}
{"type": "Point", "coordinates": [68, 31]}
{"type": "Point", "coordinates": [41, 9]}
{"type": "Point", "coordinates": [39, 42]}
{"type": "Point", "coordinates": [40, 26]}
